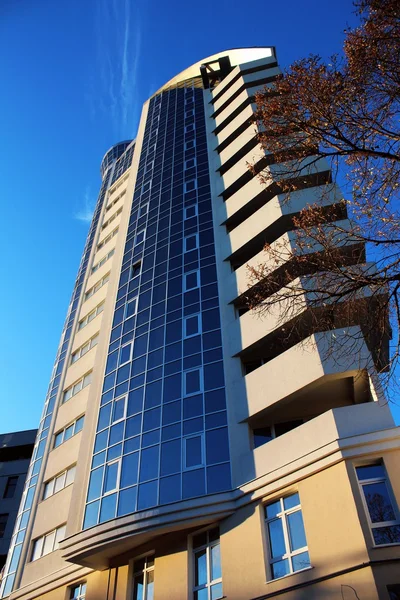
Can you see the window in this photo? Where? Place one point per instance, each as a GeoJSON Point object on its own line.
{"type": "Point", "coordinates": [189, 127]}
{"type": "Point", "coordinates": [190, 211]}
{"type": "Point", "coordinates": [190, 163]}
{"type": "Point", "coordinates": [85, 348]}
{"type": "Point", "coordinates": [131, 308]}
{"type": "Point", "coordinates": [146, 186]}
{"type": "Point", "coordinates": [59, 482]}
{"type": "Point", "coordinates": [135, 269]}
{"type": "Point", "coordinates": [111, 476]}
{"type": "Point", "coordinates": [191, 326]}
{"type": "Point", "coordinates": [143, 210]}
{"type": "Point", "coordinates": [66, 433]}
{"type": "Point", "coordinates": [380, 507]}
{"type": "Point", "coordinates": [90, 316]}
{"type": "Point", "coordinates": [11, 486]}
{"type": "Point", "coordinates": [3, 524]}
{"type": "Point", "coordinates": [190, 185]}
{"type": "Point", "coordinates": [125, 354]}
{"type": "Point", "coordinates": [97, 286]}
{"type": "Point", "coordinates": [139, 238]}
{"type": "Point", "coordinates": [207, 566]}
{"type": "Point", "coordinates": [78, 592]}
{"type": "Point", "coordinates": [192, 382]}
{"type": "Point", "coordinates": [103, 261]}
{"type": "Point", "coordinates": [111, 219]}
{"type": "Point", "coordinates": [191, 242]}
{"type": "Point", "coordinates": [191, 280]}
{"type": "Point", "coordinates": [111, 204]}
{"type": "Point", "coordinates": [47, 543]}
{"type": "Point", "coordinates": [287, 543]}
{"type": "Point", "coordinates": [107, 239]}
{"type": "Point", "coordinates": [193, 451]}
{"type": "Point", "coordinates": [77, 386]}
{"type": "Point", "coordinates": [119, 409]}
{"type": "Point", "coordinates": [190, 144]}
{"type": "Point", "coordinates": [263, 435]}
{"type": "Point", "coordinates": [253, 365]}
{"type": "Point", "coordinates": [143, 578]}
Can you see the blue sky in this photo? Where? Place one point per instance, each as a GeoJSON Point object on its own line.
{"type": "Point", "coordinates": [74, 76]}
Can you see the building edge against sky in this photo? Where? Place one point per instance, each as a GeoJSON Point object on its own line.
{"type": "Point", "coordinates": [184, 450]}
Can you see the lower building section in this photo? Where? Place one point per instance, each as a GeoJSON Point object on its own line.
{"type": "Point", "coordinates": [329, 530]}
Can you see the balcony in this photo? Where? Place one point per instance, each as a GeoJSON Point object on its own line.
{"type": "Point", "coordinates": [321, 437]}
{"type": "Point", "coordinates": [298, 372]}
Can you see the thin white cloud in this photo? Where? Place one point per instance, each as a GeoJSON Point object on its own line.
{"type": "Point", "coordinates": [112, 91]}
{"type": "Point", "coordinates": [85, 213]}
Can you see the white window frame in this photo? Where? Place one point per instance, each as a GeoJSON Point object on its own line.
{"type": "Point", "coordinates": [188, 237]}
{"type": "Point", "coordinates": [192, 189]}
{"type": "Point", "coordinates": [136, 236]}
{"type": "Point", "coordinates": [111, 219]}
{"type": "Point", "coordinates": [108, 238]}
{"type": "Point", "coordinates": [289, 554]}
{"type": "Point", "coordinates": [207, 547]}
{"type": "Point", "coordinates": [108, 464]}
{"type": "Point", "coordinates": [117, 199]}
{"type": "Point", "coordinates": [97, 286]}
{"type": "Point", "coordinates": [143, 210]}
{"type": "Point", "coordinates": [130, 353]}
{"type": "Point", "coordinates": [202, 447]}
{"type": "Point", "coordinates": [135, 299]}
{"type": "Point", "coordinates": [196, 212]}
{"type": "Point", "coordinates": [76, 387]}
{"type": "Point", "coordinates": [92, 343]}
{"type": "Point", "coordinates": [101, 262]}
{"type": "Point", "coordinates": [91, 315]}
{"type": "Point", "coordinates": [185, 335]}
{"type": "Point", "coordinates": [146, 187]}
{"type": "Point", "coordinates": [52, 538]}
{"type": "Point", "coordinates": [185, 289]}
{"type": "Point", "coordinates": [81, 587]}
{"type": "Point", "coordinates": [125, 398]}
{"type": "Point", "coordinates": [145, 573]}
{"type": "Point", "coordinates": [185, 392]}
{"type": "Point", "coordinates": [383, 479]}
{"type": "Point", "coordinates": [62, 431]}
{"type": "Point", "coordinates": [49, 488]}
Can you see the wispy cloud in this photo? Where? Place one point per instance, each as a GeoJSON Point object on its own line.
{"type": "Point", "coordinates": [85, 213]}
{"type": "Point", "coordinates": [112, 91]}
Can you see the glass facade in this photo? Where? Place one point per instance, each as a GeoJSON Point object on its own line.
{"type": "Point", "coordinates": [162, 429]}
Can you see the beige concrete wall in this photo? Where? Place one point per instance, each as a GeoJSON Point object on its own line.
{"type": "Point", "coordinates": [171, 575]}
{"type": "Point", "coordinates": [334, 537]}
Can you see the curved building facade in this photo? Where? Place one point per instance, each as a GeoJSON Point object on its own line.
{"type": "Point", "coordinates": [186, 450]}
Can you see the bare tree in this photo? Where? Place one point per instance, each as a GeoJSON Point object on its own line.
{"type": "Point", "coordinates": [346, 113]}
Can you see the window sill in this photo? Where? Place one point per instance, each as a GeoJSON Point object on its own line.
{"type": "Point", "coordinates": [289, 575]}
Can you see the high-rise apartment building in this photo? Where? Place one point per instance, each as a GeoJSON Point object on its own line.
{"type": "Point", "coordinates": [185, 451]}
